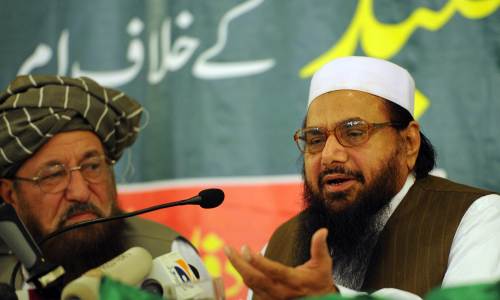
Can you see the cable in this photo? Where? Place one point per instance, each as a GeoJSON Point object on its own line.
{"type": "Point", "coordinates": [13, 275]}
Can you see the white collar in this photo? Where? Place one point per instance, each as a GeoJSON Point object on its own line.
{"type": "Point", "coordinates": [396, 200]}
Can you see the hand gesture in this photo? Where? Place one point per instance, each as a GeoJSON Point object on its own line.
{"type": "Point", "coordinates": [272, 280]}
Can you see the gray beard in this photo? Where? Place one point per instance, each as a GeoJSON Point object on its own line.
{"type": "Point", "coordinates": [350, 270]}
{"type": "Point", "coordinates": [352, 232]}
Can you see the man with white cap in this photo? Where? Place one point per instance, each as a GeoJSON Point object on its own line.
{"type": "Point", "coordinates": [391, 228]}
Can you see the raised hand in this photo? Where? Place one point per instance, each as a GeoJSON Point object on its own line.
{"type": "Point", "coordinates": [272, 280]}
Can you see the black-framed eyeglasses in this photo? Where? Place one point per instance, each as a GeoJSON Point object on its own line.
{"type": "Point", "coordinates": [55, 178]}
{"type": "Point", "coordinates": [349, 133]}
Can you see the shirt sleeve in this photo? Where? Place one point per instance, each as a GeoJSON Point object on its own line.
{"type": "Point", "coordinates": [475, 251]}
{"type": "Point", "coordinates": [386, 293]}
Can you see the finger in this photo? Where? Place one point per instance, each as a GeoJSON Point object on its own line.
{"type": "Point", "coordinates": [261, 284]}
{"type": "Point", "coordinates": [241, 263]}
{"type": "Point", "coordinates": [292, 282]}
{"type": "Point", "coordinates": [272, 269]}
{"type": "Point", "coordinates": [319, 247]}
{"type": "Point", "coordinates": [253, 277]}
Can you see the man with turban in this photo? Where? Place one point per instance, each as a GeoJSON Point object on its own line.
{"type": "Point", "coordinates": [390, 226]}
{"type": "Point", "coordinates": [59, 139]}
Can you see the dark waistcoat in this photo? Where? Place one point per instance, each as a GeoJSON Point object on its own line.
{"type": "Point", "coordinates": [413, 248]}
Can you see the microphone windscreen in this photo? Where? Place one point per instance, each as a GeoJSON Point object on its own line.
{"type": "Point", "coordinates": [130, 268]}
{"type": "Point", "coordinates": [211, 198]}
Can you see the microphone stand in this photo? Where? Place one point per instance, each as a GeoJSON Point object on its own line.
{"type": "Point", "coordinates": [191, 201]}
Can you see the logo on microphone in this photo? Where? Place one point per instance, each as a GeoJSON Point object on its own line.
{"type": "Point", "coordinates": [175, 276]}
{"type": "Point", "coordinates": [181, 271]}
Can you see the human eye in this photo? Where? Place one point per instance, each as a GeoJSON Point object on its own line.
{"type": "Point", "coordinates": [314, 137]}
{"type": "Point", "coordinates": [315, 140]}
{"type": "Point", "coordinates": [355, 132]}
{"type": "Point", "coordinates": [52, 173]}
{"type": "Point", "coordinates": [92, 164]}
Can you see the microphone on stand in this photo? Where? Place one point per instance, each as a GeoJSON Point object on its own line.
{"type": "Point", "coordinates": [28, 252]}
{"type": "Point", "coordinates": [209, 198]}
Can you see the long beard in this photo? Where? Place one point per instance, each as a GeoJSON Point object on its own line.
{"type": "Point", "coordinates": [83, 248]}
{"type": "Point", "coordinates": [353, 231]}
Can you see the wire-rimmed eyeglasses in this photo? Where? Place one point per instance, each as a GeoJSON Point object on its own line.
{"type": "Point", "coordinates": [349, 133]}
{"type": "Point", "coordinates": [54, 178]}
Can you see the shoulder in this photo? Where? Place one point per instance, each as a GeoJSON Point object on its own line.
{"type": "Point", "coordinates": [156, 238]}
{"type": "Point", "coordinates": [438, 184]}
{"type": "Point", "coordinates": [144, 227]}
{"type": "Point", "coordinates": [485, 209]}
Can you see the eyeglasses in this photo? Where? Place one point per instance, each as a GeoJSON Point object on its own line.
{"type": "Point", "coordinates": [55, 178]}
{"type": "Point", "coordinates": [350, 133]}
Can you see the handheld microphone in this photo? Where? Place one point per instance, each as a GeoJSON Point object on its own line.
{"type": "Point", "coordinates": [14, 233]}
{"type": "Point", "coordinates": [209, 198]}
{"type": "Point", "coordinates": [130, 268]}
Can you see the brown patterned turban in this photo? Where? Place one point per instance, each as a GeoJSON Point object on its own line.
{"type": "Point", "coordinates": [34, 108]}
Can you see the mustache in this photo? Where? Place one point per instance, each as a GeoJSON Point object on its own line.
{"type": "Point", "coordinates": [357, 175]}
{"type": "Point", "coordinates": [77, 208]}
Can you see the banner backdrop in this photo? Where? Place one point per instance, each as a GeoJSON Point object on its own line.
{"type": "Point", "coordinates": [224, 84]}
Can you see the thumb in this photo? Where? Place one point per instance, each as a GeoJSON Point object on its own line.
{"type": "Point", "coordinates": [319, 246]}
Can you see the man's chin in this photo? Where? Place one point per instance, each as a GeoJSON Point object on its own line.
{"type": "Point", "coordinates": [339, 201]}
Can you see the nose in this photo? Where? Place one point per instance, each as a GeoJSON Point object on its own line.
{"type": "Point", "coordinates": [333, 152]}
{"type": "Point", "coordinates": [78, 188]}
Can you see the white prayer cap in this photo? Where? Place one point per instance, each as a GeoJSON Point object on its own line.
{"type": "Point", "coordinates": [371, 75]}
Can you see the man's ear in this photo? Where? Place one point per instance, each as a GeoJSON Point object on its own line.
{"type": "Point", "coordinates": [7, 192]}
{"type": "Point", "coordinates": [411, 137]}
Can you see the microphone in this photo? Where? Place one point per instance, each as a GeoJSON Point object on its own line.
{"type": "Point", "coordinates": [14, 233]}
{"type": "Point", "coordinates": [171, 277]}
{"type": "Point", "coordinates": [46, 275]}
{"type": "Point", "coordinates": [130, 268]}
{"type": "Point", "coordinates": [209, 198]}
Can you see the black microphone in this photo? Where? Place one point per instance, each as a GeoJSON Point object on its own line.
{"type": "Point", "coordinates": [209, 198]}
{"type": "Point", "coordinates": [14, 233]}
